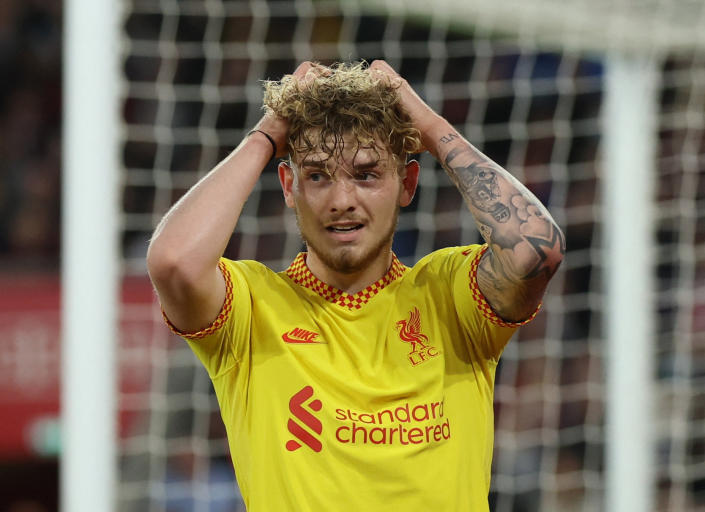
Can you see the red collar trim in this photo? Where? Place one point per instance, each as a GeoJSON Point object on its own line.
{"type": "Point", "coordinates": [299, 272]}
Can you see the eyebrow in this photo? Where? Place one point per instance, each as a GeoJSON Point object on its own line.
{"type": "Point", "coordinates": [366, 165]}
{"type": "Point", "coordinates": [318, 164]}
{"type": "Point", "coordinates": [321, 164]}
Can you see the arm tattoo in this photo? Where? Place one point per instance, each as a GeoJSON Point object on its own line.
{"type": "Point", "coordinates": [556, 241]}
{"type": "Point", "coordinates": [449, 138]}
{"type": "Point", "coordinates": [510, 219]}
{"type": "Point", "coordinates": [478, 184]}
{"type": "Point", "coordinates": [526, 246]}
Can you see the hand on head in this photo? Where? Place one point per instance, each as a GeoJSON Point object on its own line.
{"type": "Point", "coordinates": [421, 114]}
{"type": "Point", "coordinates": [275, 126]}
{"type": "Point", "coordinates": [422, 117]}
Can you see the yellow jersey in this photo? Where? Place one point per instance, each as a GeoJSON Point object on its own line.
{"type": "Point", "coordinates": [381, 400]}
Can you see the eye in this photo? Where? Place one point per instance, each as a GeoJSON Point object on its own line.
{"type": "Point", "coordinates": [365, 176]}
{"type": "Point", "coordinates": [316, 176]}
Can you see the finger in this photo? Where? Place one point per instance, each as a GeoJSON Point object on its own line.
{"type": "Point", "coordinates": [384, 67]}
{"type": "Point", "coordinates": [303, 68]}
{"type": "Point", "coordinates": [386, 75]}
{"type": "Point", "coordinates": [308, 71]}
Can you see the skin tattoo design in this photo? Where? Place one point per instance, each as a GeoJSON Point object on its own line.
{"type": "Point", "coordinates": [496, 201]}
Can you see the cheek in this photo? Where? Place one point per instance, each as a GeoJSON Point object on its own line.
{"type": "Point", "coordinates": [304, 207]}
{"type": "Point", "coordinates": [385, 204]}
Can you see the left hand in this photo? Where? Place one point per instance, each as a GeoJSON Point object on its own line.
{"type": "Point", "coordinates": [424, 118]}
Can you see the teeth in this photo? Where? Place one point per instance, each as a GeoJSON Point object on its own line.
{"type": "Point", "coordinates": [345, 230]}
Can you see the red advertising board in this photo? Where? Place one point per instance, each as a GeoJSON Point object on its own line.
{"type": "Point", "coordinates": [30, 357]}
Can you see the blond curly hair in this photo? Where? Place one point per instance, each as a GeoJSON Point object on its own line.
{"type": "Point", "coordinates": [345, 99]}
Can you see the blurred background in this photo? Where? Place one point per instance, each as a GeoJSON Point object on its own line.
{"type": "Point", "coordinates": [530, 96]}
{"type": "Point", "coordinates": [30, 186]}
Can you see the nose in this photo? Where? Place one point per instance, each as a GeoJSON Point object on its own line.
{"type": "Point", "coordinates": [343, 194]}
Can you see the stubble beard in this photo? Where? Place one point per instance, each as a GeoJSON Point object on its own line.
{"type": "Point", "coordinates": [346, 260]}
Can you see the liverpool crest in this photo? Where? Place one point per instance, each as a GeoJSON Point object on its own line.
{"type": "Point", "coordinates": [410, 332]}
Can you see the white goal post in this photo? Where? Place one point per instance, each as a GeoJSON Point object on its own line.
{"type": "Point", "coordinates": [630, 133]}
{"type": "Point", "coordinates": [90, 255]}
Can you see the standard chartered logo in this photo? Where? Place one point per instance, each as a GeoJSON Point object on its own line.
{"type": "Point", "coordinates": [296, 407]}
{"type": "Point", "coordinates": [405, 424]}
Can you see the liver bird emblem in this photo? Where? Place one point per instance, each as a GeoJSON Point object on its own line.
{"type": "Point", "coordinates": [410, 331]}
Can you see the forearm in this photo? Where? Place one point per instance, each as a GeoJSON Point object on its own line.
{"type": "Point", "coordinates": [526, 245]}
{"type": "Point", "coordinates": [194, 233]}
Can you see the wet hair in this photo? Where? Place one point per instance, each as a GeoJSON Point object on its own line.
{"type": "Point", "coordinates": [345, 99]}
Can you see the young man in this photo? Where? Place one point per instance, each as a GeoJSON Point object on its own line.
{"type": "Point", "coordinates": [350, 382]}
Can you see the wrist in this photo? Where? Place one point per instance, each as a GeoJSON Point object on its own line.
{"type": "Point", "coordinates": [277, 129]}
{"type": "Point", "coordinates": [268, 138]}
{"type": "Point", "coordinates": [437, 136]}
{"type": "Point", "coordinates": [258, 143]}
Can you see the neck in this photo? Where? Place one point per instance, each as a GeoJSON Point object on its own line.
{"type": "Point", "coordinates": [352, 282]}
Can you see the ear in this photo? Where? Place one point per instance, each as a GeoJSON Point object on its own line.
{"type": "Point", "coordinates": [286, 179]}
{"type": "Point", "coordinates": [409, 183]}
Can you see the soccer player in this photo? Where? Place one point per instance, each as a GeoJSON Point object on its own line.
{"type": "Point", "coordinates": [349, 381]}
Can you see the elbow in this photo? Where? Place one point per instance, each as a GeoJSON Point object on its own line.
{"type": "Point", "coordinates": [176, 272]}
{"type": "Point", "coordinates": [547, 255]}
{"type": "Point", "coordinates": [553, 262]}
{"type": "Point", "coordinates": [162, 264]}
{"type": "Point", "coordinates": [558, 248]}
{"type": "Point", "coordinates": [168, 266]}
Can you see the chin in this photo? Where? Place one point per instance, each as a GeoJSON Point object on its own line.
{"type": "Point", "coordinates": [347, 260]}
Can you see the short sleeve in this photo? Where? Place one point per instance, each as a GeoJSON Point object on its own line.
{"type": "Point", "coordinates": [486, 329]}
{"type": "Point", "coordinates": [220, 346]}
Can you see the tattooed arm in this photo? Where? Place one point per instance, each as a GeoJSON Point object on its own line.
{"type": "Point", "coordinates": [525, 244]}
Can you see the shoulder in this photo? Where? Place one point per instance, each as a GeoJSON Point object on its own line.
{"type": "Point", "coordinates": [249, 268]}
{"type": "Point", "coordinates": [249, 276]}
{"type": "Point", "coordinates": [449, 259]}
{"type": "Point", "coordinates": [259, 279]}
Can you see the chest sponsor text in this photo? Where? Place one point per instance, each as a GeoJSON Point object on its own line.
{"type": "Point", "coordinates": [404, 425]}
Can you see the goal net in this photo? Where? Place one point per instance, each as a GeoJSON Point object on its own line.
{"type": "Point", "coordinates": [528, 90]}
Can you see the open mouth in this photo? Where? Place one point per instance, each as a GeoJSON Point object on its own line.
{"type": "Point", "coordinates": [344, 229]}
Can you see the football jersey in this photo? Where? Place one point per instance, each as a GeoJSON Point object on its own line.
{"type": "Point", "coordinates": [379, 400]}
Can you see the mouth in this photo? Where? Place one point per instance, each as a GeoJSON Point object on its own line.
{"type": "Point", "coordinates": [348, 232]}
{"type": "Point", "coordinates": [344, 229]}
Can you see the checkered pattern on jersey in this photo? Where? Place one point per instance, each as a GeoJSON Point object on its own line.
{"type": "Point", "coordinates": [220, 319]}
{"type": "Point", "coordinates": [482, 303]}
{"type": "Point", "coordinates": [299, 272]}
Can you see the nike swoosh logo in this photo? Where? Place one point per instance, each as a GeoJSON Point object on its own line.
{"type": "Point", "coordinates": [291, 337]}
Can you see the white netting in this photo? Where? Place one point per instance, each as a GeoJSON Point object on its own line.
{"type": "Point", "coordinates": [191, 91]}
{"type": "Point", "coordinates": [681, 285]}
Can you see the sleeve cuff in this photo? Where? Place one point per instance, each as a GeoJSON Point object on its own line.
{"type": "Point", "coordinates": [219, 320]}
{"type": "Point", "coordinates": [482, 303]}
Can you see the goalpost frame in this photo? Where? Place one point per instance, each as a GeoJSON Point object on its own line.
{"type": "Point", "coordinates": [630, 142]}
{"type": "Point", "coordinates": [89, 256]}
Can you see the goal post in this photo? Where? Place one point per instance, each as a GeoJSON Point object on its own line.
{"type": "Point", "coordinates": [89, 256]}
{"type": "Point", "coordinates": [627, 184]}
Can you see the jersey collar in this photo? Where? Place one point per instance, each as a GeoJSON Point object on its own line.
{"type": "Point", "coordinates": [299, 272]}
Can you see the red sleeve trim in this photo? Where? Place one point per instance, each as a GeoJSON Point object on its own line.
{"type": "Point", "coordinates": [482, 303]}
{"type": "Point", "coordinates": [220, 319]}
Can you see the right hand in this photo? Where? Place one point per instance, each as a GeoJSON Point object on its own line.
{"type": "Point", "coordinates": [275, 126]}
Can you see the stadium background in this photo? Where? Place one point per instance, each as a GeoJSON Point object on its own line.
{"type": "Point", "coordinates": [190, 92]}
